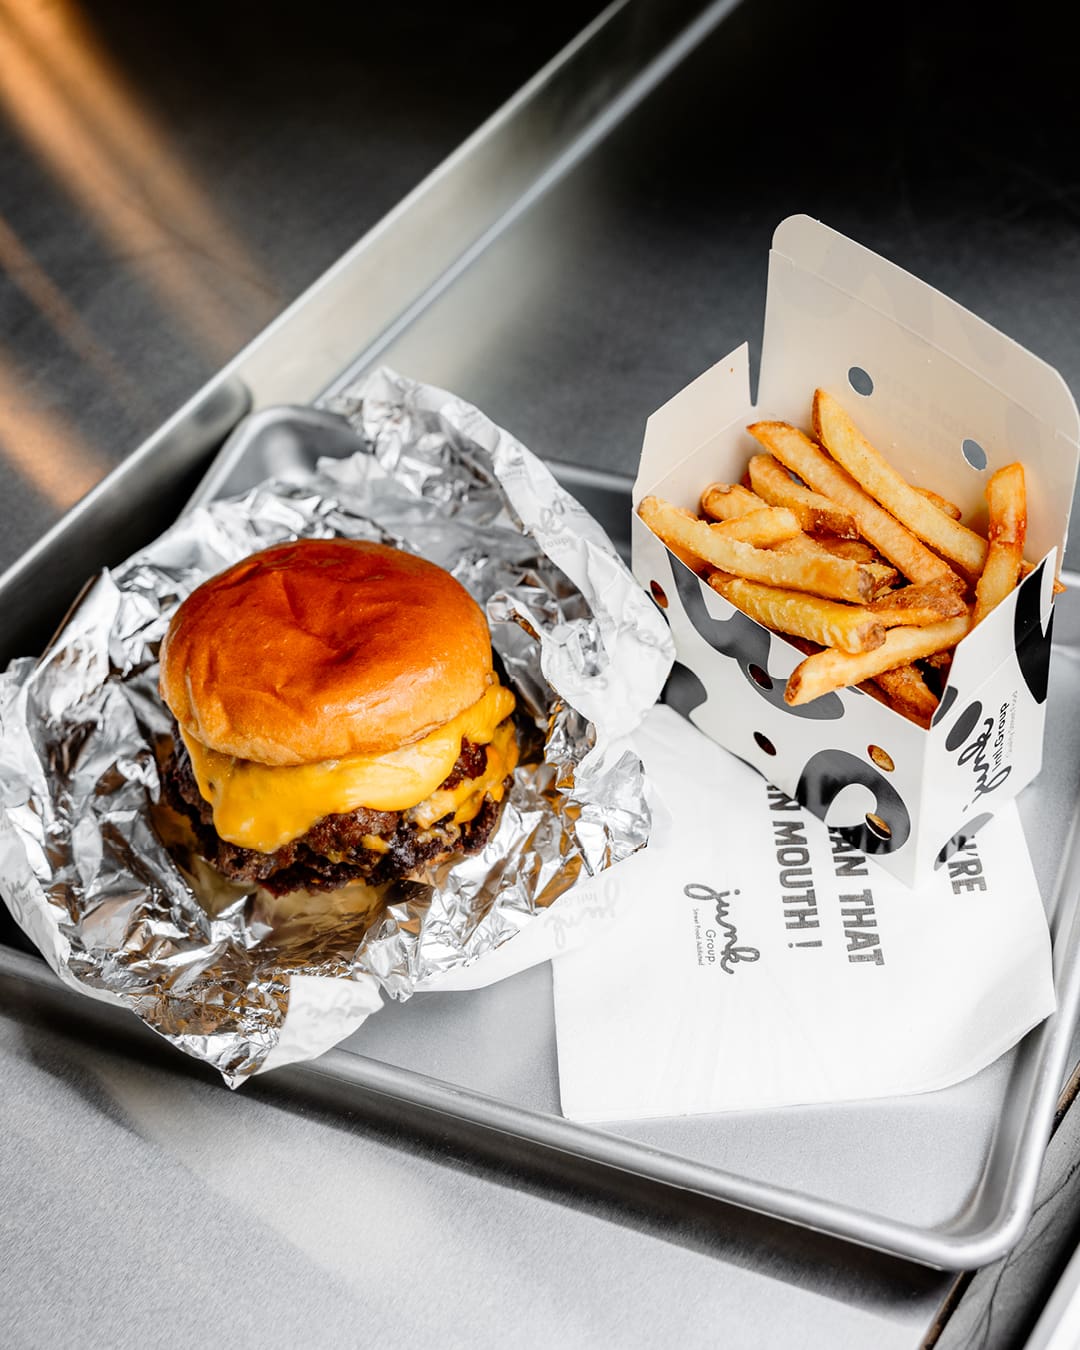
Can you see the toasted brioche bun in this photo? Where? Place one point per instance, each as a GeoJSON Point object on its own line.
{"type": "Point", "coordinates": [323, 648]}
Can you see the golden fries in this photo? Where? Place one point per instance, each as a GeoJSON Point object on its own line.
{"type": "Point", "coordinates": [851, 628]}
{"type": "Point", "coordinates": [834, 578]}
{"type": "Point", "coordinates": [850, 448]}
{"type": "Point", "coordinates": [1006, 500]}
{"type": "Point", "coordinates": [920, 605]}
{"type": "Point", "coordinates": [829, 546]}
{"type": "Point", "coordinates": [771, 525]}
{"type": "Point", "coordinates": [906, 692]}
{"type": "Point", "coordinates": [855, 549]}
{"type": "Point", "coordinates": [829, 670]}
{"type": "Point", "coordinates": [805, 545]}
{"type": "Point", "coordinates": [726, 501]}
{"type": "Point", "coordinates": [942, 503]}
{"type": "Point", "coordinates": [772, 482]}
{"type": "Point", "coordinates": [795, 449]}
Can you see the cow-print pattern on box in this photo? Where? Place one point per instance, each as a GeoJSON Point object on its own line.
{"type": "Point", "coordinates": [748, 645]}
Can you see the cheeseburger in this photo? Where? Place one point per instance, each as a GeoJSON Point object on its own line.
{"type": "Point", "coordinates": [338, 717]}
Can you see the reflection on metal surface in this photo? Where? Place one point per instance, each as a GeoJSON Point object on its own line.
{"type": "Point", "coordinates": [41, 446]}
{"type": "Point", "coordinates": [71, 106]}
{"type": "Point", "coordinates": [24, 271]}
{"type": "Point", "coordinates": [139, 497]}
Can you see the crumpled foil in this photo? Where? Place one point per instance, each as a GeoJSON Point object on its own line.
{"type": "Point", "coordinates": [221, 973]}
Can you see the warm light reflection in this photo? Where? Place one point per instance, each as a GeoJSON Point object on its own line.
{"type": "Point", "coordinates": [41, 446]}
{"type": "Point", "coordinates": [72, 106]}
{"type": "Point", "coordinates": [23, 271]}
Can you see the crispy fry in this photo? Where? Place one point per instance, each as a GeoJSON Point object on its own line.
{"type": "Point", "coordinates": [850, 448]}
{"type": "Point", "coordinates": [834, 578]}
{"type": "Point", "coordinates": [831, 669]}
{"type": "Point", "coordinates": [882, 577]}
{"type": "Point", "coordinates": [771, 525]}
{"type": "Point", "coordinates": [856, 550]}
{"type": "Point", "coordinates": [1006, 501]}
{"type": "Point", "coordinates": [691, 560]}
{"type": "Point", "coordinates": [772, 482]}
{"type": "Point", "coordinates": [851, 628]}
{"type": "Point", "coordinates": [795, 449]}
{"type": "Point", "coordinates": [803, 644]}
{"type": "Point", "coordinates": [942, 503]}
{"type": "Point", "coordinates": [908, 693]}
{"type": "Point", "coordinates": [726, 501]}
{"type": "Point", "coordinates": [929, 603]}
{"type": "Point", "coordinates": [939, 661]}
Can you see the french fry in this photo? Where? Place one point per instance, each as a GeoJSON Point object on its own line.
{"type": "Point", "coordinates": [803, 644]}
{"type": "Point", "coordinates": [908, 693]}
{"type": "Point", "coordinates": [831, 669]}
{"type": "Point", "coordinates": [795, 449]}
{"type": "Point", "coordinates": [771, 525]}
{"type": "Point", "coordinates": [1006, 501]}
{"type": "Point", "coordinates": [726, 501]}
{"type": "Point", "coordinates": [850, 448]}
{"type": "Point", "coordinates": [772, 482]}
{"type": "Point", "coordinates": [857, 550]}
{"type": "Point", "coordinates": [851, 628]}
{"type": "Point", "coordinates": [833, 578]}
{"type": "Point", "coordinates": [805, 546]}
{"type": "Point", "coordinates": [929, 603]}
{"type": "Point", "coordinates": [691, 560]}
{"type": "Point", "coordinates": [942, 503]}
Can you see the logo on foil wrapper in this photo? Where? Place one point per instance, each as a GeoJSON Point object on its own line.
{"type": "Point", "coordinates": [716, 935]}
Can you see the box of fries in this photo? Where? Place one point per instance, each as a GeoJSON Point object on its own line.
{"type": "Point", "coordinates": [859, 569]}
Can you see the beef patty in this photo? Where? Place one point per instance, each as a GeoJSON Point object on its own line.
{"type": "Point", "coordinates": [333, 852]}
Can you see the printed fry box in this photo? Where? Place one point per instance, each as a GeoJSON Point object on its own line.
{"type": "Point", "coordinates": [947, 400]}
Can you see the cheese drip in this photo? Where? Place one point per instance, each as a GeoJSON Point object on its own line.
{"type": "Point", "coordinates": [464, 801]}
{"type": "Point", "coordinates": [263, 807]}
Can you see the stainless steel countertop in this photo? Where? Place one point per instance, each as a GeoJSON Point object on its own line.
{"type": "Point", "coordinates": [140, 1203]}
{"type": "Point", "coordinates": [171, 179]}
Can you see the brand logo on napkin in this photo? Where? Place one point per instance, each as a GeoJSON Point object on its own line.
{"type": "Point", "coordinates": [716, 936]}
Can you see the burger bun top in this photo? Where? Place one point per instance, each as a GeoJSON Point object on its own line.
{"type": "Point", "coordinates": [324, 648]}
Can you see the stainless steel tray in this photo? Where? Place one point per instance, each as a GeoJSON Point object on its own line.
{"type": "Point", "coordinates": [946, 1179]}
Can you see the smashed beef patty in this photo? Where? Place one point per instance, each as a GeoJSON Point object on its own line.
{"type": "Point", "coordinates": [333, 853]}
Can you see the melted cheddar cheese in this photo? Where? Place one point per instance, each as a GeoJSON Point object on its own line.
{"type": "Point", "coordinates": [465, 800]}
{"type": "Point", "coordinates": [263, 807]}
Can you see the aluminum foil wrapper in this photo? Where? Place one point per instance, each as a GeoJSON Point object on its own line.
{"type": "Point", "coordinates": [224, 972]}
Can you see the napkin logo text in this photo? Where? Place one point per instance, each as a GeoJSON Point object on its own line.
{"type": "Point", "coordinates": [718, 944]}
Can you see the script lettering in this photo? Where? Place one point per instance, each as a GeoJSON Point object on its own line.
{"type": "Point", "coordinates": [974, 753]}
{"type": "Point", "coordinates": [730, 953]}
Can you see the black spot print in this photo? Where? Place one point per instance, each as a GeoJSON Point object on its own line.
{"type": "Point", "coordinates": [960, 838]}
{"type": "Point", "coordinates": [964, 725]}
{"type": "Point", "coordinates": [824, 777]}
{"type": "Point", "coordinates": [1031, 643]}
{"type": "Point", "coordinates": [948, 698]}
{"type": "Point", "coordinates": [740, 638]}
{"type": "Point", "coordinates": [684, 691]}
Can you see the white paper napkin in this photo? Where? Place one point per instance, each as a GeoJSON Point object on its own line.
{"type": "Point", "coordinates": [753, 960]}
